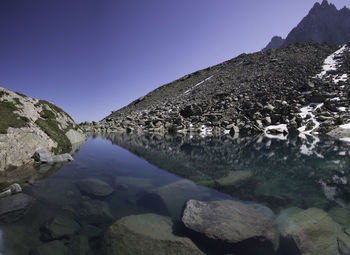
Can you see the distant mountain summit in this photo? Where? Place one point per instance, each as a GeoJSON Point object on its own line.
{"type": "Point", "coordinates": [323, 24]}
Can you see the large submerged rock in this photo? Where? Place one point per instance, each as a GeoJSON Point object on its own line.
{"type": "Point", "coordinates": [146, 234]}
{"type": "Point", "coordinates": [59, 227]}
{"type": "Point", "coordinates": [315, 233]}
{"type": "Point", "coordinates": [230, 222]}
{"type": "Point", "coordinates": [94, 187]}
{"type": "Point", "coordinates": [170, 198]}
{"type": "Point", "coordinates": [95, 212]}
{"type": "Point", "coordinates": [52, 248]}
{"type": "Point", "coordinates": [13, 207]}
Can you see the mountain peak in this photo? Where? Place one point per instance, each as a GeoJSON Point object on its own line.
{"type": "Point", "coordinates": [275, 43]}
{"type": "Point", "coordinates": [325, 3]}
{"type": "Point", "coordinates": [323, 23]}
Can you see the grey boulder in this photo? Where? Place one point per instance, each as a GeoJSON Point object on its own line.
{"type": "Point", "coordinates": [46, 157]}
{"type": "Point", "coordinates": [62, 158]}
{"type": "Point", "coordinates": [43, 156]}
{"type": "Point", "coordinates": [11, 190]}
{"type": "Point", "coordinates": [229, 221]}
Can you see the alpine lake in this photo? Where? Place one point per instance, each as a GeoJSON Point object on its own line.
{"type": "Point", "coordinates": [157, 174]}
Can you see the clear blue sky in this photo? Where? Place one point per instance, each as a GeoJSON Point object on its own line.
{"type": "Point", "coordinates": [93, 56]}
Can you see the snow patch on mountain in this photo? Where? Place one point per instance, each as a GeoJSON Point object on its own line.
{"type": "Point", "coordinates": [307, 112]}
{"type": "Point", "coordinates": [200, 83]}
{"type": "Point", "coordinates": [332, 63]}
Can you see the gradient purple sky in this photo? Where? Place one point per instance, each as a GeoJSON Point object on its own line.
{"type": "Point", "coordinates": [93, 56]}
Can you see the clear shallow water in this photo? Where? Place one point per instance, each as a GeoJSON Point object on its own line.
{"type": "Point", "coordinates": [273, 173]}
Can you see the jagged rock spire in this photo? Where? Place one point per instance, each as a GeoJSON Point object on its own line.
{"type": "Point", "coordinates": [324, 23]}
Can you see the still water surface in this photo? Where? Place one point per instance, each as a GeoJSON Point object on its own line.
{"type": "Point", "coordinates": [277, 175]}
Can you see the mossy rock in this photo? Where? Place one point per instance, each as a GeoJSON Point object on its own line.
{"type": "Point", "coordinates": [47, 114]}
{"type": "Point", "coordinates": [54, 107]}
{"type": "Point", "coordinates": [17, 101]}
{"type": "Point", "coordinates": [9, 118]}
{"type": "Point", "coordinates": [20, 94]}
{"type": "Point", "coordinates": [3, 93]}
{"type": "Point", "coordinates": [51, 128]}
{"type": "Point", "coordinates": [235, 178]}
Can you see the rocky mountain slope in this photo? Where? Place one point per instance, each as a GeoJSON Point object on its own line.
{"type": "Point", "coordinates": [29, 124]}
{"type": "Point", "coordinates": [300, 88]}
{"type": "Point", "coordinates": [324, 23]}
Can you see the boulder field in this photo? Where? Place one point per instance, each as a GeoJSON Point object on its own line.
{"type": "Point", "coordinates": [301, 88]}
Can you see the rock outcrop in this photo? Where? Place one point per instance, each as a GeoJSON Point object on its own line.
{"type": "Point", "coordinates": [146, 234]}
{"type": "Point", "coordinates": [29, 124]}
{"type": "Point", "coordinates": [275, 43]}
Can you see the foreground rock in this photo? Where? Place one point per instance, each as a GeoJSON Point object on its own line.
{"type": "Point", "coordinates": [13, 207]}
{"type": "Point", "coordinates": [230, 222]}
{"type": "Point", "coordinates": [29, 124]}
{"type": "Point", "coordinates": [146, 234]}
{"type": "Point", "coordinates": [315, 233]}
{"type": "Point", "coordinates": [94, 187]}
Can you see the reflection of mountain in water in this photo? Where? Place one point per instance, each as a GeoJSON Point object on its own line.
{"type": "Point", "coordinates": [296, 172]}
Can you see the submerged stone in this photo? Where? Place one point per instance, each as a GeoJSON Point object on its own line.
{"type": "Point", "coordinates": [59, 227]}
{"type": "Point", "coordinates": [95, 212]}
{"type": "Point", "coordinates": [235, 178]}
{"type": "Point", "coordinates": [52, 248]}
{"type": "Point", "coordinates": [170, 198]}
{"type": "Point", "coordinates": [230, 222]}
{"type": "Point", "coordinates": [13, 207]}
{"type": "Point", "coordinates": [315, 233]}
{"type": "Point", "coordinates": [94, 187]}
{"type": "Point", "coordinates": [126, 182]}
{"type": "Point", "coordinates": [146, 234]}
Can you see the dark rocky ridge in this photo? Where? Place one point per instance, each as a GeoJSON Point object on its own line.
{"type": "Point", "coordinates": [275, 43]}
{"type": "Point", "coordinates": [323, 24]}
{"type": "Point", "coordinates": [242, 95]}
